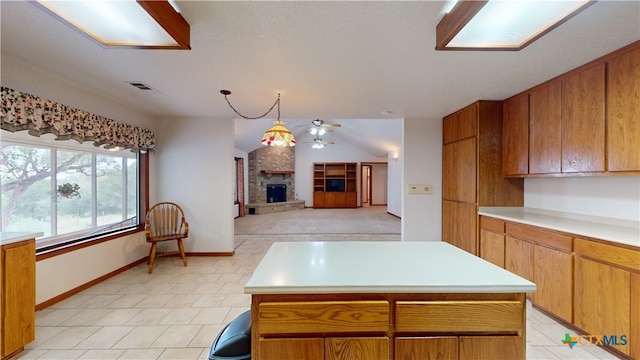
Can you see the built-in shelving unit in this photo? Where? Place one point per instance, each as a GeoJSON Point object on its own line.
{"type": "Point", "coordinates": [335, 185]}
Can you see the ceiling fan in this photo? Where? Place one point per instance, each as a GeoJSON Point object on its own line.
{"type": "Point", "coordinates": [318, 143]}
{"type": "Point", "coordinates": [320, 128]}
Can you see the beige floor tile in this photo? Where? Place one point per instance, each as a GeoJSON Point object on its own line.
{"type": "Point", "coordinates": [69, 337]}
{"type": "Point", "coordinates": [214, 315]}
{"type": "Point", "coordinates": [141, 337]}
{"type": "Point", "coordinates": [155, 301]}
{"type": "Point", "coordinates": [564, 352]}
{"type": "Point", "coordinates": [206, 335]}
{"type": "Point", "coordinates": [86, 317]}
{"type": "Point", "coordinates": [53, 317]}
{"type": "Point", "coordinates": [118, 317]}
{"type": "Point", "coordinates": [177, 336]}
{"type": "Point", "coordinates": [105, 338]}
{"type": "Point", "coordinates": [44, 333]}
{"type": "Point", "coordinates": [181, 354]}
{"type": "Point", "coordinates": [30, 354]}
{"type": "Point", "coordinates": [149, 316]}
{"type": "Point", "coordinates": [209, 300]}
{"type": "Point", "coordinates": [182, 300]}
{"type": "Point", "coordinates": [179, 316]}
{"type": "Point", "coordinates": [141, 354]}
{"type": "Point", "coordinates": [62, 354]}
{"type": "Point", "coordinates": [539, 353]}
{"type": "Point", "coordinates": [101, 354]}
{"type": "Point", "coordinates": [127, 301]}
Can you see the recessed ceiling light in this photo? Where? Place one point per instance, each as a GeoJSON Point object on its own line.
{"type": "Point", "coordinates": [139, 24]}
{"type": "Point", "coordinates": [502, 25]}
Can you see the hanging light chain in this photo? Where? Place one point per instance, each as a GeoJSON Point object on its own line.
{"type": "Point", "coordinates": [226, 92]}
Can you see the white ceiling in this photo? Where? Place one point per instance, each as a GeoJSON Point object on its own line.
{"type": "Point", "coordinates": [346, 62]}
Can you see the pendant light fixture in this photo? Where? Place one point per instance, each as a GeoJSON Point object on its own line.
{"type": "Point", "coordinates": [278, 134]}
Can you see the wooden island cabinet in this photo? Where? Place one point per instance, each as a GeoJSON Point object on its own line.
{"type": "Point", "coordinates": [332, 300]}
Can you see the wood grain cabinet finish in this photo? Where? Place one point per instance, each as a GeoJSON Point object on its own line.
{"type": "Point", "coordinates": [323, 174]}
{"type": "Point", "coordinates": [519, 257]}
{"type": "Point", "coordinates": [553, 275]}
{"type": "Point", "coordinates": [583, 122]}
{"type": "Point", "coordinates": [515, 159]}
{"type": "Point", "coordinates": [586, 121]}
{"type": "Point", "coordinates": [623, 112]}
{"type": "Point", "coordinates": [18, 296]}
{"type": "Point", "coordinates": [545, 126]}
{"type": "Point", "coordinates": [472, 172]}
{"type": "Point", "coordinates": [388, 326]}
{"type": "Point", "coordinates": [492, 247]}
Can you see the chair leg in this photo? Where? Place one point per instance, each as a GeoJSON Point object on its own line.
{"type": "Point", "coordinates": [152, 256]}
{"type": "Point", "coordinates": [182, 255]}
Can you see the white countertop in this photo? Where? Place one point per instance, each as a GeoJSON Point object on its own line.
{"type": "Point", "coordinates": [378, 267]}
{"type": "Point", "coordinates": [12, 237]}
{"type": "Point", "coordinates": [614, 230]}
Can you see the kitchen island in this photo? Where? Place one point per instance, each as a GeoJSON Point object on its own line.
{"type": "Point", "coordinates": [384, 300]}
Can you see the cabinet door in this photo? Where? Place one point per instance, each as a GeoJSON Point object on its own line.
{"type": "Point", "coordinates": [351, 199]}
{"type": "Point", "coordinates": [461, 124]}
{"type": "Point", "coordinates": [492, 347]}
{"type": "Point", "coordinates": [515, 142]}
{"type": "Point", "coordinates": [318, 200]}
{"type": "Point", "coordinates": [426, 348]}
{"type": "Point", "coordinates": [291, 349]}
{"type": "Point", "coordinates": [18, 295]}
{"type": "Point", "coordinates": [492, 247]}
{"type": "Point", "coordinates": [583, 125]}
{"type": "Point", "coordinates": [459, 225]}
{"type": "Point", "coordinates": [623, 112]}
{"type": "Point", "coordinates": [602, 299]}
{"type": "Point", "coordinates": [519, 257]}
{"type": "Point", "coordinates": [347, 348]}
{"type": "Point", "coordinates": [552, 274]}
{"type": "Point", "coordinates": [329, 199]}
{"type": "Point", "coordinates": [459, 171]}
{"type": "Point", "coordinates": [545, 115]}
{"type": "Point", "coordinates": [340, 199]}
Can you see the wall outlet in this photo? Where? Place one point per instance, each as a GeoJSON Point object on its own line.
{"type": "Point", "coordinates": [419, 189]}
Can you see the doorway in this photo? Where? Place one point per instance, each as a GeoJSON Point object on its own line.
{"type": "Point", "coordinates": [366, 184]}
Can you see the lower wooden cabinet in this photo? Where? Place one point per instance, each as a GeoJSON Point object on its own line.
{"type": "Point", "coordinates": [459, 348]}
{"type": "Point", "coordinates": [388, 326]}
{"type": "Point", "coordinates": [492, 247]}
{"type": "Point", "coordinates": [459, 227]}
{"type": "Point", "coordinates": [519, 257]}
{"type": "Point", "coordinates": [552, 274]}
{"type": "Point", "coordinates": [17, 296]}
{"type": "Point", "coordinates": [348, 199]}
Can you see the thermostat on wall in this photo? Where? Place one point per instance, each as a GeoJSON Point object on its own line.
{"type": "Point", "coordinates": [419, 189]}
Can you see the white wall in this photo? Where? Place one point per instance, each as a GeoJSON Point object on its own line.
{"type": "Point", "coordinates": [615, 197]}
{"type": "Point", "coordinates": [195, 162]}
{"type": "Point", "coordinates": [338, 152]}
{"type": "Point", "coordinates": [422, 163]}
{"type": "Point", "coordinates": [62, 273]}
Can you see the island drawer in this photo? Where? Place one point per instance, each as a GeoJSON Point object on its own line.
{"type": "Point", "coordinates": [323, 317]}
{"type": "Point", "coordinates": [460, 316]}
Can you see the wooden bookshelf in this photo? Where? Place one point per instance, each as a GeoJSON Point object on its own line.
{"type": "Point", "coordinates": [335, 185]}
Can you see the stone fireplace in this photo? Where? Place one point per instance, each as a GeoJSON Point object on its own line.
{"type": "Point", "coordinates": [271, 180]}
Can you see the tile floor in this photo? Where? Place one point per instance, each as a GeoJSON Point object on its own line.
{"type": "Point", "coordinates": [176, 312]}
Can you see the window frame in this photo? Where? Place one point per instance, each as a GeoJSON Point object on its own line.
{"type": "Point", "coordinates": [83, 240]}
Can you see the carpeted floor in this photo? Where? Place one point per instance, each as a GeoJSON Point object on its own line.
{"type": "Point", "coordinates": [364, 220]}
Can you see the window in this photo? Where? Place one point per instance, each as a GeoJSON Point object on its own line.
{"type": "Point", "coordinates": [67, 192]}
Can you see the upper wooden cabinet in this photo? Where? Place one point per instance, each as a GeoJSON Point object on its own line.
{"type": "Point", "coordinates": [584, 122]}
{"type": "Point", "coordinates": [623, 112]}
{"type": "Point", "coordinates": [460, 125]}
{"type": "Point", "coordinates": [583, 125]}
{"type": "Point", "coordinates": [545, 117]}
{"type": "Point", "coordinates": [515, 141]}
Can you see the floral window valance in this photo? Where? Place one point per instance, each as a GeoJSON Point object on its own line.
{"type": "Point", "coordinates": [22, 111]}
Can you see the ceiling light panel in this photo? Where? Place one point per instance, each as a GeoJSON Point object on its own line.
{"type": "Point", "coordinates": [112, 23]}
{"type": "Point", "coordinates": [502, 24]}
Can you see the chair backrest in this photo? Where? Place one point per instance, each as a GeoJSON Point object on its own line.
{"type": "Point", "coordinates": [165, 218]}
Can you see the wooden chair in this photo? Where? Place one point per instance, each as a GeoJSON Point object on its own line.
{"type": "Point", "coordinates": [165, 221]}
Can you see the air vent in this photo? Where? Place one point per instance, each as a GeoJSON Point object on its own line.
{"type": "Point", "coordinates": [140, 85]}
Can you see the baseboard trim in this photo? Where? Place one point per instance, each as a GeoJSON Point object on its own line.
{"type": "Point", "coordinates": [87, 285]}
{"type": "Point", "coordinates": [211, 253]}
{"type": "Point", "coordinates": [394, 215]}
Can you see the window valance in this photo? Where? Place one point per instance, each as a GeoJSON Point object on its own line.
{"type": "Point", "coordinates": [22, 111]}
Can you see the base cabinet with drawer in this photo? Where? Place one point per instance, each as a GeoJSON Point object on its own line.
{"type": "Point", "coordinates": [590, 284]}
{"type": "Point", "coordinates": [388, 326]}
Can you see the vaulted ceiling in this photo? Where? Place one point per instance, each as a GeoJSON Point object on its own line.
{"type": "Point", "coordinates": [346, 62]}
